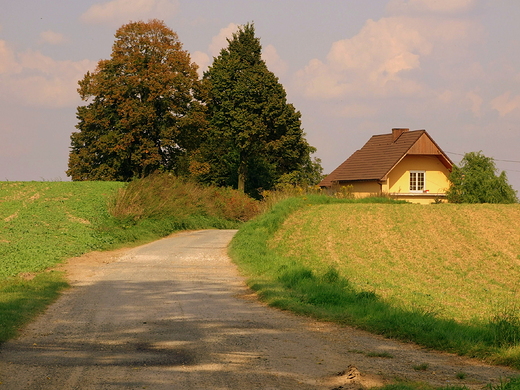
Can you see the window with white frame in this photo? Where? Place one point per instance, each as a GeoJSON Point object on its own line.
{"type": "Point", "coordinates": [417, 181]}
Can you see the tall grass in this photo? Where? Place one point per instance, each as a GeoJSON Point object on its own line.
{"type": "Point", "coordinates": [164, 196]}
{"type": "Point", "coordinates": [317, 287]}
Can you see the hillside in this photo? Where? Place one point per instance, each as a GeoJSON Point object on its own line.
{"type": "Point", "coordinates": [460, 261]}
{"type": "Point", "coordinates": [42, 223]}
{"type": "Point", "coordinates": [444, 276]}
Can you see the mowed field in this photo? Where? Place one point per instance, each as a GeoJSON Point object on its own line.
{"type": "Point", "coordinates": [459, 262]}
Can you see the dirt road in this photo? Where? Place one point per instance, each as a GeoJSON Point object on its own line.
{"type": "Point", "coordinates": [175, 314]}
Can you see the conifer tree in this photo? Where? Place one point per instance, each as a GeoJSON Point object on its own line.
{"type": "Point", "coordinates": [255, 139]}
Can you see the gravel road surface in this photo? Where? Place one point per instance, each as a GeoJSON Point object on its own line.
{"type": "Point", "coordinates": [176, 314]}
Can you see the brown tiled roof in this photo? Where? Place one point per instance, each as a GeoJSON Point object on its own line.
{"type": "Point", "coordinates": [376, 158]}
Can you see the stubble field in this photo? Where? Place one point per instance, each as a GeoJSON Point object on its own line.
{"type": "Point", "coordinates": [457, 261]}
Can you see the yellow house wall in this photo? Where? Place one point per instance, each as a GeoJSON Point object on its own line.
{"type": "Point", "coordinates": [365, 188]}
{"type": "Point", "coordinates": [436, 175]}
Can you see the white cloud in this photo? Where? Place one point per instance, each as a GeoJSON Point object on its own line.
{"type": "Point", "coordinates": [35, 79]}
{"type": "Point", "coordinates": [446, 96]}
{"type": "Point", "coordinates": [318, 80]}
{"type": "Point", "coordinates": [122, 11]}
{"type": "Point", "coordinates": [383, 59]}
{"type": "Point", "coordinates": [357, 111]}
{"type": "Point", "coordinates": [505, 104]}
{"type": "Point", "coordinates": [219, 41]}
{"type": "Point", "coordinates": [274, 61]}
{"type": "Point", "coordinates": [202, 60]}
{"type": "Point", "coordinates": [8, 62]}
{"type": "Point", "coordinates": [476, 102]}
{"type": "Point", "coordinates": [52, 38]}
{"type": "Point", "coordinates": [374, 62]}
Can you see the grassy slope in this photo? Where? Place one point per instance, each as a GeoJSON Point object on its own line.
{"type": "Point", "coordinates": [42, 223]}
{"type": "Point", "coordinates": [445, 276]}
{"type": "Point", "coordinates": [460, 261]}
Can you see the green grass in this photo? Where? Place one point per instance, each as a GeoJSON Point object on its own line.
{"type": "Point", "coordinates": [21, 300]}
{"type": "Point", "coordinates": [41, 223]}
{"type": "Point", "coordinates": [507, 384]}
{"type": "Point", "coordinates": [421, 367]}
{"type": "Point", "coordinates": [44, 223]}
{"type": "Point", "coordinates": [413, 272]}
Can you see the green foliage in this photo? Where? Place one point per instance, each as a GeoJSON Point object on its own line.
{"type": "Point", "coordinates": [505, 327]}
{"type": "Point", "coordinates": [421, 367]}
{"type": "Point", "coordinates": [477, 181]}
{"type": "Point", "coordinates": [43, 223]}
{"type": "Point", "coordinates": [255, 138]}
{"type": "Point", "coordinates": [22, 299]}
{"type": "Point", "coordinates": [144, 112]}
{"type": "Point", "coordinates": [509, 384]}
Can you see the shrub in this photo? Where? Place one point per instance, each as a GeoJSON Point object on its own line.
{"type": "Point", "coordinates": [161, 196]}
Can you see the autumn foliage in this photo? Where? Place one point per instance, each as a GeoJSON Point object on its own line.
{"type": "Point", "coordinates": [144, 111]}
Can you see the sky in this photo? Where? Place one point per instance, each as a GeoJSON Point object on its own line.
{"type": "Point", "coordinates": [353, 68]}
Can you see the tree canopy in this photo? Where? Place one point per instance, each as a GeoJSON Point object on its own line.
{"type": "Point", "coordinates": [144, 110]}
{"type": "Point", "coordinates": [255, 139]}
{"type": "Point", "coordinates": [477, 180]}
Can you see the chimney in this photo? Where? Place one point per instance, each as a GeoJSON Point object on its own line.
{"type": "Point", "coordinates": [396, 133]}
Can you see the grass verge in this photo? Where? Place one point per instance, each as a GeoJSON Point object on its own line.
{"type": "Point", "coordinates": [22, 299]}
{"type": "Point", "coordinates": [320, 288]}
{"type": "Point", "coordinates": [507, 384]}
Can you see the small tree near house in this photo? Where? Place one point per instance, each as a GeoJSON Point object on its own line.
{"type": "Point", "coordinates": [476, 180]}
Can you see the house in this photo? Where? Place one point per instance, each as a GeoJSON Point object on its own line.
{"type": "Point", "coordinates": [406, 165]}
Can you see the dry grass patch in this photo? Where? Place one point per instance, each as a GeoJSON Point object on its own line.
{"type": "Point", "coordinates": [458, 261]}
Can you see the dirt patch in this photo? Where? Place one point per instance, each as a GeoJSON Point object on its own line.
{"type": "Point", "coordinates": [86, 266]}
{"type": "Point", "coordinates": [11, 217]}
{"type": "Point", "coordinates": [27, 275]}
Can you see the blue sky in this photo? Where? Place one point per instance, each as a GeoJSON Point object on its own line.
{"type": "Point", "coordinates": [352, 68]}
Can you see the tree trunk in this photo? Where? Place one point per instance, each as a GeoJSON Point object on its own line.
{"type": "Point", "coordinates": [242, 170]}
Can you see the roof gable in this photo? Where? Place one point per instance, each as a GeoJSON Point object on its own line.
{"type": "Point", "coordinates": [382, 153]}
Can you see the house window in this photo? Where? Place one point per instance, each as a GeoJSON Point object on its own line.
{"type": "Point", "coordinates": [417, 181]}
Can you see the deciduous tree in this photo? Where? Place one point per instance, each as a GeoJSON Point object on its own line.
{"type": "Point", "coordinates": [255, 137]}
{"type": "Point", "coordinates": [477, 180]}
{"type": "Point", "coordinates": [144, 111]}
